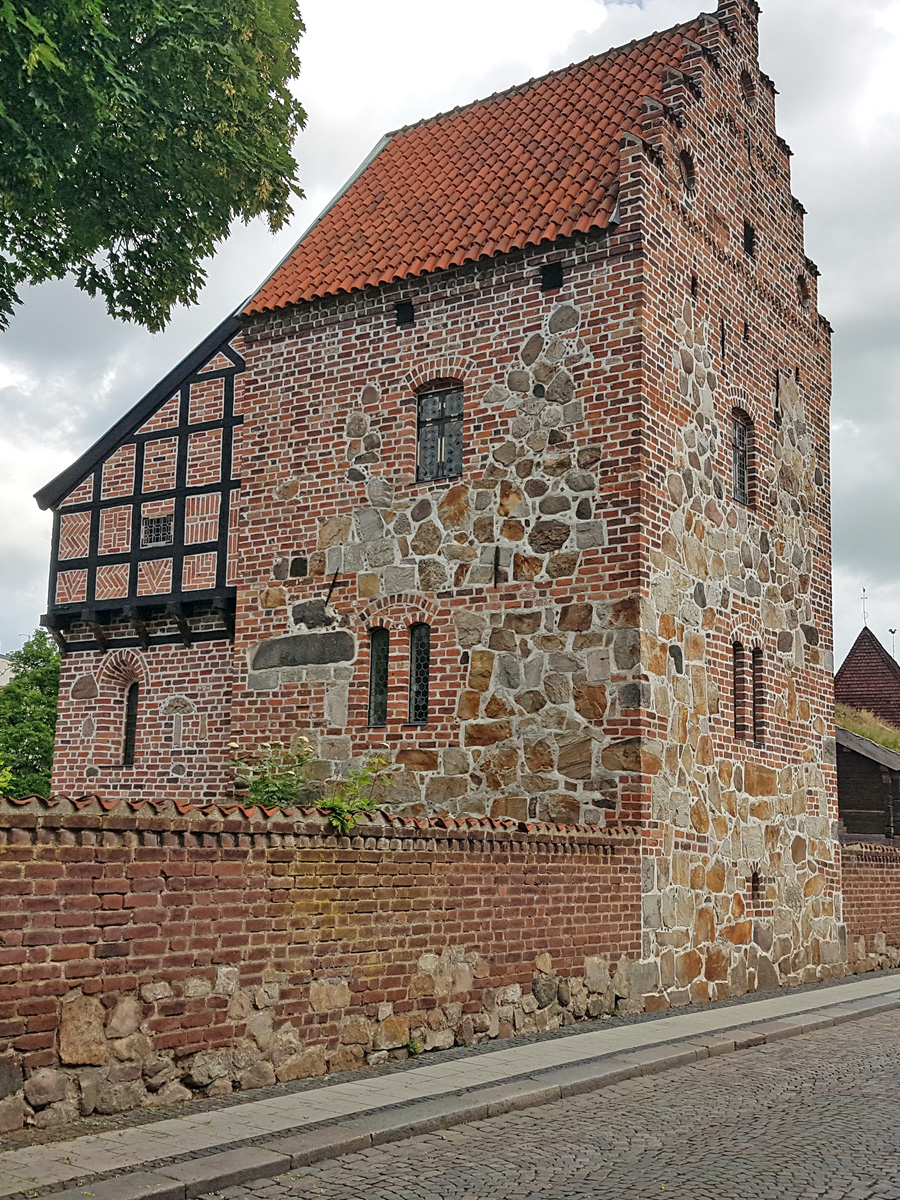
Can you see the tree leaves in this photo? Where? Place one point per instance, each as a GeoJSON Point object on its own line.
{"type": "Point", "coordinates": [133, 133]}
{"type": "Point", "coordinates": [28, 717]}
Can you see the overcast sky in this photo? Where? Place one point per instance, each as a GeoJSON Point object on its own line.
{"type": "Point", "coordinates": [67, 371]}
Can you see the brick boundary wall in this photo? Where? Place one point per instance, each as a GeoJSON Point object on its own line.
{"type": "Point", "coordinates": [871, 886]}
{"type": "Point", "coordinates": [147, 957]}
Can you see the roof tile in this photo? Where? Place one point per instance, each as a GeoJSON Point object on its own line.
{"type": "Point", "coordinates": [516, 169]}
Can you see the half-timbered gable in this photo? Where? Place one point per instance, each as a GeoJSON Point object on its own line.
{"type": "Point", "coordinates": [140, 550]}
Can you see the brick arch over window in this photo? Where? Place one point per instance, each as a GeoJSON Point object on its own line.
{"type": "Point", "coordinates": [121, 671]}
{"type": "Point", "coordinates": [731, 398]}
{"type": "Point", "coordinates": [453, 369]}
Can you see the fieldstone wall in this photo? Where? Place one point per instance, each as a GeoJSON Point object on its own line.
{"type": "Point", "coordinates": [165, 952]}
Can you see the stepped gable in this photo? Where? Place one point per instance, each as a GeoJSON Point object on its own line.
{"type": "Point", "coordinates": [869, 678]}
{"type": "Point", "coordinates": [531, 164]}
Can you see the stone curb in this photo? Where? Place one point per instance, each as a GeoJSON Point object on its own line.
{"type": "Point", "coordinates": [228, 1168]}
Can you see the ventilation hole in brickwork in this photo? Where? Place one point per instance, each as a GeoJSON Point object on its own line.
{"type": "Point", "coordinates": [551, 277]}
{"type": "Point", "coordinates": [722, 345]}
{"type": "Point", "coordinates": [746, 331]}
{"type": "Point", "coordinates": [748, 89]}
{"type": "Point", "coordinates": [803, 291]}
{"type": "Point", "coordinates": [406, 314]}
{"type": "Point", "coordinates": [796, 374]}
{"type": "Point", "coordinates": [687, 171]}
{"type": "Point", "coordinates": [754, 883]}
{"type": "Point", "coordinates": [695, 287]}
{"type": "Point", "coordinates": [749, 239]}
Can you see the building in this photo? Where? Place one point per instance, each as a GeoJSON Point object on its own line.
{"type": "Point", "coordinates": [869, 679]}
{"type": "Point", "coordinates": [517, 464]}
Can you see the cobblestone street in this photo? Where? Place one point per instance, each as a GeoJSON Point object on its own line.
{"type": "Point", "coordinates": [814, 1118]}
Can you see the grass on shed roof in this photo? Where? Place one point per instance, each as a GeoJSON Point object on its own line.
{"type": "Point", "coordinates": [867, 725]}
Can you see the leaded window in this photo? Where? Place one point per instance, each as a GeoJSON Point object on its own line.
{"type": "Point", "coordinates": [440, 434]}
{"type": "Point", "coordinates": [741, 431]}
{"type": "Point", "coordinates": [379, 653]}
{"type": "Point", "coordinates": [419, 673]}
{"type": "Point", "coordinates": [158, 531]}
{"type": "Point", "coordinates": [131, 713]}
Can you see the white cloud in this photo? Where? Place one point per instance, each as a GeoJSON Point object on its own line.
{"type": "Point", "coordinates": [67, 371]}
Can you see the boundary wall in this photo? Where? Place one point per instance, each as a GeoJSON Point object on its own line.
{"type": "Point", "coordinates": [149, 956]}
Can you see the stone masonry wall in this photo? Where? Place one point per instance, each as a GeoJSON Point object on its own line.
{"type": "Point", "coordinates": [741, 874]}
{"type": "Point", "coordinates": [162, 954]}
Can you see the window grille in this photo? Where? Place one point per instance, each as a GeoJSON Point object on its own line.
{"type": "Point", "coordinates": [131, 712]}
{"type": "Point", "coordinates": [740, 457]}
{"type": "Point", "coordinates": [158, 531]}
{"type": "Point", "coordinates": [439, 436]}
{"type": "Point", "coordinates": [759, 696]}
{"type": "Point", "coordinates": [419, 673]}
{"type": "Point", "coordinates": [379, 653]}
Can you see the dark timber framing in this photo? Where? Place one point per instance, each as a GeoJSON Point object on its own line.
{"type": "Point", "coordinates": [177, 603]}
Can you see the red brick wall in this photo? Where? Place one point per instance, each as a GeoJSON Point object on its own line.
{"type": "Point", "coordinates": [195, 916]}
{"type": "Point", "coordinates": [871, 882]}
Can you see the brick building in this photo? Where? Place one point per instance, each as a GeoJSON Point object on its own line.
{"type": "Point", "coordinates": [869, 679]}
{"type": "Point", "coordinates": [518, 464]}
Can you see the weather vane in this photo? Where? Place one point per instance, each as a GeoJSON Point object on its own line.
{"type": "Point", "coordinates": [865, 608]}
{"type": "Point", "coordinates": [893, 633]}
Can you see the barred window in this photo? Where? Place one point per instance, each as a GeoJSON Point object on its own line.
{"type": "Point", "coordinates": [131, 712]}
{"type": "Point", "coordinates": [741, 446]}
{"type": "Point", "coordinates": [439, 440]}
{"type": "Point", "coordinates": [379, 653]}
{"type": "Point", "coordinates": [759, 697]}
{"type": "Point", "coordinates": [157, 531]}
{"type": "Point", "coordinates": [419, 673]}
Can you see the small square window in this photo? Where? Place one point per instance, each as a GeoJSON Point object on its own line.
{"type": "Point", "coordinates": [158, 531]}
{"type": "Point", "coordinates": [406, 314]}
{"type": "Point", "coordinates": [551, 277]}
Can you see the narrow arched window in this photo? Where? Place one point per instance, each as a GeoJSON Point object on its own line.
{"type": "Point", "coordinates": [741, 456]}
{"type": "Point", "coordinates": [419, 673]}
{"type": "Point", "coordinates": [759, 697]}
{"type": "Point", "coordinates": [739, 689]}
{"type": "Point", "coordinates": [439, 433]}
{"type": "Point", "coordinates": [379, 653]}
{"type": "Point", "coordinates": [131, 712]}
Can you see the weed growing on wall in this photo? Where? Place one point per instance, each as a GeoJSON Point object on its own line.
{"type": "Point", "coordinates": [273, 777]}
{"type": "Point", "coordinates": [362, 791]}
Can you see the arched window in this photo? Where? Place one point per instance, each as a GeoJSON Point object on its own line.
{"type": "Point", "coordinates": [741, 456]}
{"type": "Point", "coordinates": [759, 697]}
{"type": "Point", "coordinates": [439, 440]}
{"type": "Point", "coordinates": [131, 712]}
{"type": "Point", "coordinates": [739, 689]}
{"type": "Point", "coordinates": [419, 673]}
{"type": "Point", "coordinates": [379, 652]}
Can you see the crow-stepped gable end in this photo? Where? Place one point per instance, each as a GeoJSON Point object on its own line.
{"type": "Point", "coordinates": [515, 470]}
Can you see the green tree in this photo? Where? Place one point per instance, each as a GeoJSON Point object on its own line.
{"type": "Point", "coordinates": [28, 717]}
{"type": "Point", "coordinates": [133, 133]}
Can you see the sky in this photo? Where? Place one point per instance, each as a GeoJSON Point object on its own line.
{"type": "Point", "coordinates": [68, 370]}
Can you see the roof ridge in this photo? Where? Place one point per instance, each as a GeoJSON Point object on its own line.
{"type": "Point", "coordinates": [870, 638]}
{"type": "Point", "coordinates": [519, 88]}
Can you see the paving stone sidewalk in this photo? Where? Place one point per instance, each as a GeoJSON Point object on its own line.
{"type": "Point", "coordinates": [190, 1155]}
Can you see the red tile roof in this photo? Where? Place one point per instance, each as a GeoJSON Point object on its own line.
{"type": "Point", "coordinates": [869, 678]}
{"type": "Point", "coordinates": [528, 165]}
